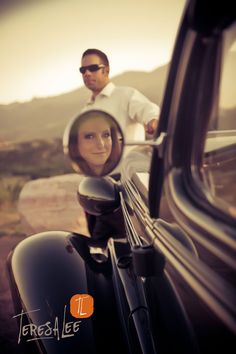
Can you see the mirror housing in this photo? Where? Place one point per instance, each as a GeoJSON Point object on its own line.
{"type": "Point", "coordinates": [98, 196]}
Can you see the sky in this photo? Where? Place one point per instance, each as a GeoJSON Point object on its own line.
{"type": "Point", "coordinates": [41, 41]}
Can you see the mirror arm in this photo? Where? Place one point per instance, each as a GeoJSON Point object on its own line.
{"type": "Point", "coordinates": [159, 143]}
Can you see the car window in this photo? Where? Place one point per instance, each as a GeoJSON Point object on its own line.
{"type": "Point", "coordinates": [219, 163]}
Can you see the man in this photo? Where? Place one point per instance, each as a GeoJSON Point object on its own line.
{"type": "Point", "coordinates": [126, 104]}
{"type": "Point", "coordinates": [132, 110]}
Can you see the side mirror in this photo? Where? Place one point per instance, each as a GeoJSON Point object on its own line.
{"type": "Point", "coordinates": [94, 143]}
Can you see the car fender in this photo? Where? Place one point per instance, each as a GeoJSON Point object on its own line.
{"type": "Point", "coordinates": [46, 270]}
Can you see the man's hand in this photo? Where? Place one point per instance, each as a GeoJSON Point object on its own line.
{"type": "Point", "coordinates": [151, 126]}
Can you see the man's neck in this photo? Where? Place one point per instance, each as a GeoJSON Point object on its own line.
{"type": "Point", "coordinates": [95, 93]}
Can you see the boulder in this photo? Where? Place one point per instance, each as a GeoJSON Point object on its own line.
{"type": "Point", "coordinates": [51, 204]}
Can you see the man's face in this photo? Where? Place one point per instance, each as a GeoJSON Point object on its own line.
{"type": "Point", "coordinates": [97, 80]}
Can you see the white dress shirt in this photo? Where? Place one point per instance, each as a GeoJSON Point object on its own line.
{"type": "Point", "coordinates": [128, 106]}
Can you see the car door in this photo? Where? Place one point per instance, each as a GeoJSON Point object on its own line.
{"type": "Point", "coordinates": [181, 193]}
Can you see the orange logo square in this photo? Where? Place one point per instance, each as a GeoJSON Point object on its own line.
{"type": "Point", "coordinates": [81, 305]}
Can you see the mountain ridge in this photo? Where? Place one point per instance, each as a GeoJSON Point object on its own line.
{"type": "Point", "coordinates": [47, 117]}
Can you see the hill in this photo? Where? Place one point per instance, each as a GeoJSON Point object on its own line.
{"type": "Point", "coordinates": [46, 118]}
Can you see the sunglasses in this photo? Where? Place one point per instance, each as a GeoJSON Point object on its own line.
{"type": "Point", "coordinates": [92, 68]}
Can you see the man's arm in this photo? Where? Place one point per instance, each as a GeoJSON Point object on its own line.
{"type": "Point", "coordinates": [144, 111]}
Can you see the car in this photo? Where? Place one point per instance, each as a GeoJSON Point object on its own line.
{"type": "Point", "coordinates": [179, 194]}
{"type": "Point", "coordinates": [165, 282]}
{"type": "Point", "coordinates": [182, 192]}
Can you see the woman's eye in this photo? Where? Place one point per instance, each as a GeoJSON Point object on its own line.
{"type": "Point", "coordinates": [106, 135]}
{"type": "Point", "coordinates": [89, 136]}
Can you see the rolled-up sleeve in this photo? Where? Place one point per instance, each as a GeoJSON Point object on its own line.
{"type": "Point", "coordinates": [141, 109]}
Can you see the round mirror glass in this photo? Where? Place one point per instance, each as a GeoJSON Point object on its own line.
{"type": "Point", "coordinates": [94, 143]}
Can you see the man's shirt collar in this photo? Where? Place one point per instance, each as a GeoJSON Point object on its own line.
{"type": "Point", "coordinates": [106, 91]}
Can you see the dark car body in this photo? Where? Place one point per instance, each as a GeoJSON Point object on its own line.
{"type": "Point", "coordinates": [168, 284]}
{"type": "Point", "coordinates": [189, 191]}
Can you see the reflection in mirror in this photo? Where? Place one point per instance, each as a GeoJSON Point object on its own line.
{"type": "Point", "coordinates": [94, 143]}
{"type": "Point", "coordinates": [219, 169]}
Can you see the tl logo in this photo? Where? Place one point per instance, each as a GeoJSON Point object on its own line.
{"type": "Point", "coordinates": [81, 306]}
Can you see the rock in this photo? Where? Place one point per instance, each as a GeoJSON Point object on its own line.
{"type": "Point", "coordinates": [51, 204]}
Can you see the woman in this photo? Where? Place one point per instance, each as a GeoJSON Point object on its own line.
{"type": "Point", "coordinates": [94, 143]}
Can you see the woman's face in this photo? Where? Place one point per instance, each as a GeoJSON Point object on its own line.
{"type": "Point", "coordinates": [95, 142]}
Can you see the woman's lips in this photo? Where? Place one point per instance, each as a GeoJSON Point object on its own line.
{"type": "Point", "coordinates": [99, 153]}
